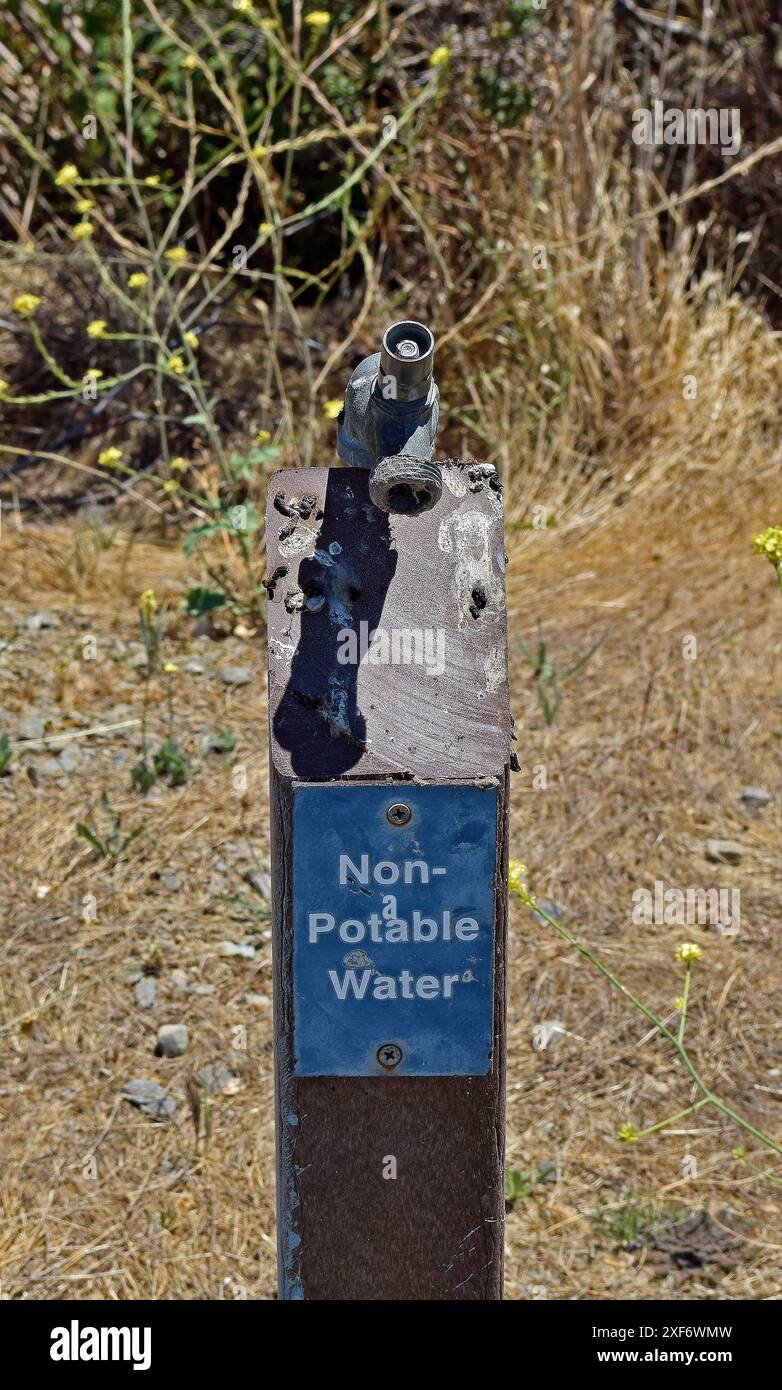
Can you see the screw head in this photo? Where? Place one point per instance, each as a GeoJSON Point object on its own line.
{"type": "Point", "coordinates": [407, 348]}
{"type": "Point", "coordinates": [399, 814]}
{"type": "Point", "coordinates": [389, 1055]}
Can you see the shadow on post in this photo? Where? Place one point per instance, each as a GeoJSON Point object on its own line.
{"type": "Point", "coordinates": [343, 585]}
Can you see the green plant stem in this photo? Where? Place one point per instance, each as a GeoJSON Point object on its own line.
{"type": "Point", "coordinates": [708, 1095]}
{"type": "Point", "coordinates": [680, 1115]}
{"type": "Point", "coordinates": [685, 999]}
{"type": "Point", "coordinates": [54, 366]}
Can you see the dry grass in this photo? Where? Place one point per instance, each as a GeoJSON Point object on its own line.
{"type": "Point", "coordinates": [644, 762]}
{"type": "Point", "coordinates": [573, 377]}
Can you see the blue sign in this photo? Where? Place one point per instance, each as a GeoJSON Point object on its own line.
{"type": "Point", "coordinates": [393, 921]}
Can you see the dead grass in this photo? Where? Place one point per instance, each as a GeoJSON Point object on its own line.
{"type": "Point", "coordinates": [645, 761]}
{"type": "Point", "coordinates": [621, 384]}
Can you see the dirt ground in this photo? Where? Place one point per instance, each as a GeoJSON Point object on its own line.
{"type": "Point", "coordinates": [645, 762]}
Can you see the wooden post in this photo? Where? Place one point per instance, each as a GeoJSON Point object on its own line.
{"type": "Point", "coordinates": [389, 766]}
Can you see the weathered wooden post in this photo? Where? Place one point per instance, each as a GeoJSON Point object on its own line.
{"type": "Point", "coordinates": [389, 757]}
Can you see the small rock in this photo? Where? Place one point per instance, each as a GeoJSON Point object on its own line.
{"type": "Point", "coordinates": [172, 1040]}
{"type": "Point", "coordinates": [31, 725]}
{"type": "Point", "coordinates": [238, 849]}
{"type": "Point", "coordinates": [169, 880]}
{"type": "Point", "coordinates": [551, 908]}
{"type": "Point", "coordinates": [548, 1034]}
{"type": "Point", "coordinates": [257, 1001]}
{"type": "Point", "coordinates": [261, 882]}
{"type": "Point", "coordinates": [548, 1172]}
{"type": "Point", "coordinates": [194, 668]}
{"type": "Point", "coordinates": [118, 712]}
{"type": "Point", "coordinates": [235, 675]}
{"type": "Point", "coordinates": [71, 758]}
{"type": "Point", "coordinates": [232, 948]}
{"type": "Point", "coordinates": [50, 767]}
{"type": "Point", "coordinates": [202, 989]}
{"type": "Point", "coordinates": [215, 1079]}
{"type": "Point", "coordinates": [132, 974]}
{"type": "Point", "coordinates": [178, 979]}
{"type": "Point", "coordinates": [219, 743]}
{"type": "Point", "coordinates": [724, 851]}
{"type": "Point", "coordinates": [150, 1097]}
{"type": "Point", "coordinates": [145, 992]}
{"type": "Point", "coordinates": [755, 797]}
{"type": "Point", "coordinates": [138, 658]}
{"type": "Point", "coordinates": [44, 619]}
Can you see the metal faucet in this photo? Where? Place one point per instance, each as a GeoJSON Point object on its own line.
{"type": "Point", "coordinates": [388, 424]}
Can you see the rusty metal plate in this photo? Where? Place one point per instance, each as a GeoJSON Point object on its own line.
{"type": "Point", "coordinates": [387, 634]}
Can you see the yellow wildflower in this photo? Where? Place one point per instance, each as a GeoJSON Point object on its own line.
{"type": "Point", "coordinates": [96, 328]}
{"type": "Point", "coordinates": [517, 872]}
{"type": "Point", "coordinates": [331, 409]}
{"type": "Point", "coordinates": [170, 668]}
{"type": "Point", "coordinates": [688, 951]}
{"type": "Point", "coordinates": [267, 23]}
{"type": "Point", "coordinates": [190, 61]}
{"type": "Point", "coordinates": [3, 386]}
{"type": "Point", "coordinates": [176, 364]}
{"type": "Point", "coordinates": [138, 280]}
{"type": "Point", "coordinates": [262, 437]}
{"type": "Point", "coordinates": [259, 151]}
{"type": "Point", "coordinates": [82, 230]}
{"type": "Point", "coordinates": [148, 604]}
{"type": "Point", "coordinates": [265, 229]}
{"type": "Point", "coordinates": [769, 543]}
{"type": "Point", "coordinates": [318, 19]}
{"type": "Point", "coordinates": [85, 205]}
{"type": "Point", "coordinates": [176, 255]}
{"type": "Point", "coordinates": [108, 458]}
{"type": "Point", "coordinates": [152, 180]}
{"type": "Point", "coordinates": [178, 465]}
{"type": "Point", "coordinates": [678, 1003]}
{"type": "Point", "coordinates": [171, 485]}
{"type": "Point", "coordinates": [93, 374]}
{"type": "Point", "coordinates": [67, 176]}
{"type": "Point", "coordinates": [191, 339]}
{"type": "Point", "coordinates": [26, 305]}
{"type": "Point", "coordinates": [243, 6]}
{"type": "Point", "coordinates": [628, 1134]}
{"type": "Point", "coordinates": [439, 56]}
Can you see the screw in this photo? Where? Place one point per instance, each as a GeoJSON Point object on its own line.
{"type": "Point", "coordinates": [407, 348]}
{"type": "Point", "coordinates": [399, 813]}
{"type": "Point", "coordinates": [389, 1055]}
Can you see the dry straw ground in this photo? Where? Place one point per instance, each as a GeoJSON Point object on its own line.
{"type": "Point", "coordinates": [646, 761]}
{"type": "Point", "coordinates": [572, 378]}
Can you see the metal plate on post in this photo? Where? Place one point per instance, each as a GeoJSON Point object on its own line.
{"type": "Point", "coordinates": [393, 929]}
{"type": "Point", "coordinates": [433, 711]}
